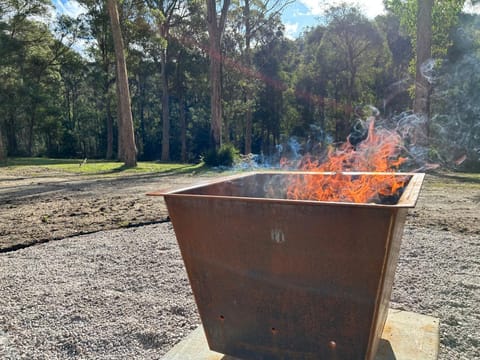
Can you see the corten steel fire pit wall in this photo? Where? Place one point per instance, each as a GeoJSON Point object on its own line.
{"type": "Point", "coordinates": [288, 279]}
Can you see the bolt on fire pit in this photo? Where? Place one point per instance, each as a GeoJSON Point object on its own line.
{"type": "Point", "coordinates": [275, 278]}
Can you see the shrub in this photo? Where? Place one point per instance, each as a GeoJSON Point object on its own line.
{"type": "Point", "coordinates": [225, 156]}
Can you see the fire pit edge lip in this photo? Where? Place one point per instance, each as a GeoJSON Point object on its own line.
{"type": "Point", "coordinates": [407, 200]}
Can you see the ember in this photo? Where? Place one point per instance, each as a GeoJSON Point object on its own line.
{"type": "Point", "coordinates": [379, 152]}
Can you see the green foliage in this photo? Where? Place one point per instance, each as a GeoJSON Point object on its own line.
{"type": "Point", "coordinates": [30, 82]}
{"type": "Point", "coordinates": [455, 124]}
{"type": "Point", "coordinates": [224, 157]}
{"type": "Point", "coordinates": [344, 64]}
{"type": "Point", "coordinates": [444, 17]}
{"type": "Point", "coordinates": [56, 102]}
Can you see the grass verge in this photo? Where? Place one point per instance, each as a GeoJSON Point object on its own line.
{"type": "Point", "coordinates": [94, 167]}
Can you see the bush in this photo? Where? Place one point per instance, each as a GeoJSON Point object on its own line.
{"type": "Point", "coordinates": [225, 156]}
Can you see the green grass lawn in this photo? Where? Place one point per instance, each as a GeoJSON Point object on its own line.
{"type": "Point", "coordinates": [96, 167]}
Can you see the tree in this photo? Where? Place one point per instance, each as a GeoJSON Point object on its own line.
{"type": "Point", "coordinates": [99, 29]}
{"type": "Point", "coordinates": [255, 17]}
{"type": "Point", "coordinates": [396, 82]}
{"type": "Point", "coordinates": [455, 125]}
{"type": "Point", "coordinates": [29, 74]}
{"type": "Point", "coordinates": [249, 31]}
{"type": "Point", "coordinates": [272, 116]}
{"type": "Point", "coordinates": [3, 154]}
{"type": "Point", "coordinates": [421, 103]}
{"type": "Point", "coordinates": [428, 23]}
{"type": "Point", "coordinates": [190, 90]}
{"type": "Point", "coordinates": [127, 148]}
{"type": "Point", "coordinates": [168, 14]}
{"type": "Point", "coordinates": [216, 26]}
{"type": "Point", "coordinates": [310, 89]}
{"type": "Point", "coordinates": [352, 51]}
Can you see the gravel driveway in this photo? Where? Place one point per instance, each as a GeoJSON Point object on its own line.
{"type": "Point", "coordinates": [120, 294]}
{"type": "Point", "coordinates": [123, 294]}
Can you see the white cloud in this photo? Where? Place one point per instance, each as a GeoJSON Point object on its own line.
{"type": "Point", "coordinates": [370, 8]}
{"type": "Point", "coordinates": [69, 7]}
{"type": "Point", "coordinates": [291, 30]}
{"type": "Point", "coordinates": [315, 7]}
{"type": "Point", "coordinates": [471, 9]}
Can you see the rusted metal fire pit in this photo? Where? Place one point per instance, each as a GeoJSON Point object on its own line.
{"type": "Point", "coordinates": [288, 279]}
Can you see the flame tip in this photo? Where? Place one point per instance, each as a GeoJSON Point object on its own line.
{"type": "Point", "coordinates": [379, 152]}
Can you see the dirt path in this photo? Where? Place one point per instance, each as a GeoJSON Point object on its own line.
{"type": "Point", "coordinates": [52, 206]}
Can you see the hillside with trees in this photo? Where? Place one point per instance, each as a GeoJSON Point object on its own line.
{"type": "Point", "coordinates": [174, 80]}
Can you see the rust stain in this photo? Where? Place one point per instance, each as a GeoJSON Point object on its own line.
{"type": "Point", "coordinates": [387, 330]}
{"type": "Point", "coordinates": [430, 328]}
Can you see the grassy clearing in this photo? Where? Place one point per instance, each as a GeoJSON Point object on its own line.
{"type": "Point", "coordinates": [94, 167]}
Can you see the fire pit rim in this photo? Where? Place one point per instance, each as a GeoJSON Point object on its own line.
{"type": "Point", "coordinates": [407, 200]}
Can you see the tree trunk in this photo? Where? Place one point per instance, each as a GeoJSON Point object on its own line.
{"type": "Point", "coordinates": [120, 147]}
{"type": "Point", "coordinates": [3, 155]}
{"type": "Point", "coordinates": [183, 128]}
{"type": "Point", "coordinates": [216, 27]}
{"type": "Point", "coordinates": [108, 110]}
{"type": "Point", "coordinates": [421, 104]}
{"type": "Point", "coordinates": [102, 40]}
{"type": "Point", "coordinates": [248, 125]}
{"type": "Point", "coordinates": [248, 92]}
{"type": "Point", "coordinates": [141, 79]}
{"type": "Point", "coordinates": [11, 133]}
{"type": "Point", "coordinates": [165, 109]}
{"type": "Point", "coordinates": [180, 90]}
{"type": "Point", "coordinates": [215, 95]}
{"type": "Point", "coordinates": [127, 149]}
{"type": "Point", "coordinates": [107, 101]}
{"type": "Point", "coordinates": [31, 126]}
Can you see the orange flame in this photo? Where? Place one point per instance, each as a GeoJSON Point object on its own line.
{"type": "Point", "coordinates": [378, 153]}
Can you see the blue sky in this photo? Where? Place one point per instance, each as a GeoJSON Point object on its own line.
{"type": "Point", "coordinates": [68, 7]}
{"type": "Point", "coordinates": [296, 17]}
{"type": "Point", "coordinates": [304, 13]}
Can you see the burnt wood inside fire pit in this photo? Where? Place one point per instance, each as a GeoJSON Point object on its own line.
{"type": "Point", "coordinates": [278, 278]}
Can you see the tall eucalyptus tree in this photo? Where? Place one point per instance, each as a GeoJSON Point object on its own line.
{"type": "Point", "coordinates": [127, 148]}
{"type": "Point", "coordinates": [428, 23]}
{"type": "Point", "coordinates": [216, 20]}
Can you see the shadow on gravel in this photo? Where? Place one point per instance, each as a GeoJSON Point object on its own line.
{"type": "Point", "coordinates": [459, 177]}
{"type": "Point", "coordinates": [37, 161]}
{"type": "Point", "coordinates": [179, 170]}
{"type": "Point", "coordinates": [43, 187]}
{"type": "Point", "coordinates": [34, 242]}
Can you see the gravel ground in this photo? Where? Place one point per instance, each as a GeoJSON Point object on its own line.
{"type": "Point", "coordinates": [123, 294]}
{"type": "Point", "coordinates": [438, 274]}
{"type": "Point", "coordinates": [120, 294]}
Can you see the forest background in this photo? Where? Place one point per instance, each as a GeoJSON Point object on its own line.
{"type": "Point", "coordinates": [200, 76]}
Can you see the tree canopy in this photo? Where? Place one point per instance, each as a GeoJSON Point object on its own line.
{"type": "Point", "coordinates": [202, 74]}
